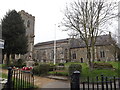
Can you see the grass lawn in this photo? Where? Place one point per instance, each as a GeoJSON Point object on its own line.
{"type": "Point", "coordinates": [95, 72]}
{"type": "Point", "coordinates": [4, 75]}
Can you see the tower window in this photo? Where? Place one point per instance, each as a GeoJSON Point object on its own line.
{"type": "Point", "coordinates": [28, 23]}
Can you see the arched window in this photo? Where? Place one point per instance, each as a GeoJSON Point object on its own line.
{"type": "Point", "coordinates": [28, 23]}
{"type": "Point", "coordinates": [81, 60]}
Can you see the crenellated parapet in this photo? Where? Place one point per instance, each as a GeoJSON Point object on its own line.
{"type": "Point", "coordinates": [22, 12]}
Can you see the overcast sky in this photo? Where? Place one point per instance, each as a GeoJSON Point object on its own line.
{"type": "Point", "coordinates": [47, 13]}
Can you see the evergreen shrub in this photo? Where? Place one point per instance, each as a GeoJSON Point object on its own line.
{"type": "Point", "coordinates": [52, 67]}
{"type": "Point", "coordinates": [61, 64]}
{"type": "Point", "coordinates": [41, 69]}
{"type": "Point", "coordinates": [74, 67]}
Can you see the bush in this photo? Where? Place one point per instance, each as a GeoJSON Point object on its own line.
{"type": "Point", "coordinates": [52, 67]}
{"type": "Point", "coordinates": [61, 64]}
{"type": "Point", "coordinates": [74, 67]}
{"type": "Point", "coordinates": [102, 66]}
{"type": "Point", "coordinates": [41, 69]}
{"type": "Point", "coordinates": [3, 66]}
{"type": "Point", "coordinates": [60, 67]}
{"type": "Point", "coordinates": [36, 63]}
{"type": "Point", "coordinates": [18, 63]}
{"type": "Point", "coordinates": [57, 73]}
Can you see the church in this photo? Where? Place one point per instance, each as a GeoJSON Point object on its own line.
{"type": "Point", "coordinates": [74, 50]}
{"type": "Point", "coordinates": [29, 22]}
{"type": "Point", "coordinates": [65, 50]}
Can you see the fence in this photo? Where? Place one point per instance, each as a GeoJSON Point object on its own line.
{"type": "Point", "coordinates": [18, 79]}
{"type": "Point", "coordinates": [98, 83]}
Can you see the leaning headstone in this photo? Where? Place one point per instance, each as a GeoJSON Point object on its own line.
{"type": "Point", "coordinates": [29, 63]}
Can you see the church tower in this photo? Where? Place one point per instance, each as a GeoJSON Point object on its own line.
{"type": "Point", "coordinates": [29, 22]}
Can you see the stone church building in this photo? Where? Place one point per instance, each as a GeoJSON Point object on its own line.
{"type": "Point", "coordinates": [29, 22]}
{"type": "Point", "coordinates": [74, 50]}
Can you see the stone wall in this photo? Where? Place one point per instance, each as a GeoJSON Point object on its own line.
{"type": "Point", "coordinates": [81, 54]}
{"type": "Point", "coordinates": [45, 53]}
{"type": "Point", "coordinates": [29, 22]}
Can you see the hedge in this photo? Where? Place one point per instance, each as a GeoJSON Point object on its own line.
{"type": "Point", "coordinates": [74, 67]}
{"type": "Point", "coordinates": [41, 69]}
{"type": "Point", "coordinates": [102, 66]}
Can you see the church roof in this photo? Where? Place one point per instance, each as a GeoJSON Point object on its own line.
{"type": "Point", "coordinates": [79, 43]}
{"type": "Point", "coordinates": [51, 42]}
{"type": "Point", "coordinates": [100, 41]}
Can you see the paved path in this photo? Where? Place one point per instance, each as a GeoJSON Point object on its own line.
{"type": "Point", "coordinates": [57, 84]}
{"type": "Point", "coordinates": [42, 82]}
{"type": "Point", "coordinates": [45, 83]}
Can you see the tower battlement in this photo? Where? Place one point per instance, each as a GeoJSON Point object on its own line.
{"type": "Point", "coordinates": [26, 14]}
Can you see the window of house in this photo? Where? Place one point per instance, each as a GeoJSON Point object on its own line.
{"type": "Point", "coordinates": [74, 55]}
{"type": "Point", "coordinates": [102, 54]}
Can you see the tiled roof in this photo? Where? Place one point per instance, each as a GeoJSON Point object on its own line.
{"type": "Point", "coordinates": [77, 43]}
{"type": "Point", "coordinates": [51, 42]}
{"type": "Point", "coordinates": [100, 41]}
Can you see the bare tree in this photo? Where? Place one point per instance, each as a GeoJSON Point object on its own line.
{"type": "Point", "coordinates": [87, 18]}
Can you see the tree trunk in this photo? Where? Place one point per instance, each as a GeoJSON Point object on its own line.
{"type": "Point", "coordinates": [93, 53]}
{"type": "Point", "coordinates": [89, 56]}
{"type": "Point", "coordinates": [93, 47]}
{"type": "Point", "coordinates": [13, 56]}
{"type": "Point", "coordinates": [115, 56]}
{"type": "Point", "coordinates": [8, 59]}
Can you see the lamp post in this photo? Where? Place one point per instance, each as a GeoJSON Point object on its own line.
{"type": "Point", "coordinates": [55, 46]}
